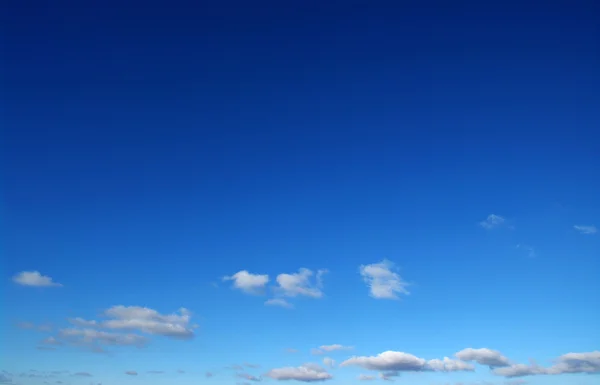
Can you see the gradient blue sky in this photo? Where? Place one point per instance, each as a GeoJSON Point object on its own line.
{"type": "Point", "coordinates": [150, 150]}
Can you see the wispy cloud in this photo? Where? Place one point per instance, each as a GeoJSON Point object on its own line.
{"type": "Point", "coordinates": [279, 302]}
{"type": "Point", "coordinates": [492, 221]}
{"type": "Point", "coordinates": [34, 279]}
{"type": "Point", "coordinates": [529, 249]}
{"type": "Point", "coordinates": [383, 281]}
{"type": "Point", "coordinates": [82, 374]}
{"type": "Point", "coordinates": [586, 229]}
{"type": "Point", "coordinates": [330, 348]}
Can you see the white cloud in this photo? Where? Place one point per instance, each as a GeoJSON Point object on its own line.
{"type": "Point", "coordinates": [249, 365]}
{"type": "Point", "coordinates": [150, 321]}
{"type": "Point", "coordinates": [279, 302]}
{"type": "Point", "coordinates": [449, 365]}
{"type": "Point", "coordinates": [92, 336]}
{"type": "Point", "coordinates": [26, 325]}
{"type": "Point", "coordinates": [387, 361]}
{"type": "Point", "coordinates": [51, 341]}
{"type": "Point", "coordinates": [301, 284]}
{"type": "Point", "coordinates": [330, 348]}
{"type": "Point", "coordinates": [249, 377]}
{"type": "Point", "coordinates": [519, 370]}
{"type": "Point", "coordinates": [291, 350]}
{"type": "Point", "coordinates": [586, 229]}
{"type": "Point", "coordinates": [131, 373]}
{"type": "Point", "coordinates": [390, 363]}
{"type": "Point", "coordinates": [515, 382]}
{"type": "Point", "coordinates": [82, 322]}
{"type": "Point", "coordinates": [529, 249]}
{"type": "Point", "coordinates": [383, 281]}
{"type": "Point", "coordinates": [304, 373]}
{"type": "Point", "coordinates": [492, 221]}
{"type": "Point", "coordinates": [248, 282]}
{"type": "Point", "coordinates": [35, 279]}
{"type": "Point", "coordinates": [388, 376]}
{"type": "Point", "coordinates": [365, 377]}
{"type": "Point", "coordinates": [484, 356]}
{"type": "Point", "coordinates": [329, 362]}
{"type": "Point", "coordinates": [588, 362]}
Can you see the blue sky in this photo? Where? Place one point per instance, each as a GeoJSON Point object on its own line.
{"type": "Point", "coordinates": [342, 193]}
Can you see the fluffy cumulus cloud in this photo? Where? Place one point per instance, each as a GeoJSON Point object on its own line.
{"type": "Point", "coordinates": [329, 348]}
{"type": "Point", "coordinates": [586, 229]}
{"type": "Point", "coordinates": [383, 281]}
{"type": "Point", "coordinates": [396, 362]}
{"type": "Point", "coordinates": [303, 283]}
{"type": "Point", "coordinates": [492, 221]}
{"type": "Point", "coordinates": [150, 321]}
{"type": "Point", "coordinates": [483, 356]}
{"type": "Point", "coordinates": [249, 283]}
{"type": "Point", "coordinates": [124, 326]}
{"type": "Point", "coordinates": [34, 279]}
{"type": "Point", "coordinates": [448, 365]}
{"type": "Point", "coordinates": [304, 373]}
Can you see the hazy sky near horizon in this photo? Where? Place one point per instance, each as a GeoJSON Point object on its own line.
{"type": "Point", "coordinates": [337, 192]}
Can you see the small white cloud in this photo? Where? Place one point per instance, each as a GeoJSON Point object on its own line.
{"type": "Point", "coordinates": [586, 229]}
{"type": "Point", "coordinates": [249, 377]}
{"type": "Point", "coordinates": [51, 341]}
{"type": "Point", "coordinates": [492, 221]}
{"type": "Point", "coordinates": [529, 249]}
{"type": "Point", "coordinates": [26, 325]}
{"type": "Point", "coordinates": [249, 283]}
{"type": "Point", "coordinates": [383, 281]}
{"type": "Point", "coordinates": [279, 302]}
{"type": "Point", "coordinates": [35, 279]}
{"type": "Point", "coordinates": [329, 362]}
{"type": "Point", "coordinates": [366, 377]}
{"type": "Point", "coordinates": [131, 373]}
{"type": "Point", "coordinates": [291, 350]}
{"type": "Point", "coordinates": [82, 322]}
{"type": "Point", "coordinates": [301, 284]}
{"type": "Point", "coordinates": [304, 373]}
{"type": "Point", "coordinates": [330, 348]}
{"type": "Point", "coordinates": [483, 356]}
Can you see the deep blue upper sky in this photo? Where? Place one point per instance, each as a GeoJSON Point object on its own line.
{"type": "Point", "coordinates": [150, 149]}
